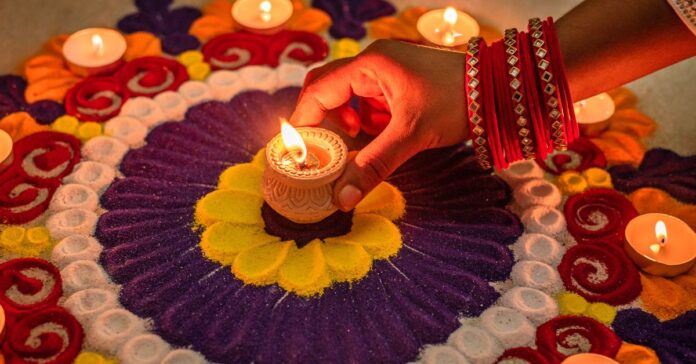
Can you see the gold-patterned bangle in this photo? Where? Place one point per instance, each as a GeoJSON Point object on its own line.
{"type": "Point", "coordinates": [473, 102]}
{"type": "Point", "coordinates": [517, 94]}
{"type": "Point", "coordinates": [548, 85]}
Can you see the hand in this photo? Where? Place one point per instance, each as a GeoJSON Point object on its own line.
{"type": "Point", "coordinates": [423, 89]}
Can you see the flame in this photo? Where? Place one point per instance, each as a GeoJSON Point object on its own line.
{"type": "Point", "coordinates": [97, 44]}
{"type": "Point", "coordinates": [265, 8]}
{"type": "Point", "coordinates": [450, 15]}
{"type": "Point", "coordinates": [661, 232]}
{"type": "Point", "coordinates": [293, 142]}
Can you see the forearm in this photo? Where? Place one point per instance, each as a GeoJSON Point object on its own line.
{"type": "Point", "coordinates": [607, 43]}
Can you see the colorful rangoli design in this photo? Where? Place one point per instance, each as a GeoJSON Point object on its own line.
{"type": "Point", "coordinates": [134, 230]}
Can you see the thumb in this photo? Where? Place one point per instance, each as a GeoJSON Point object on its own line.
{"type": "Point", "coordinates": [372, 165]}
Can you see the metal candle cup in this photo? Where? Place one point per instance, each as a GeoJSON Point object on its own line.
{"type": "Point", "coordinates": [303, 192]}
{"type": "Point", "coordinates": [676, 256]}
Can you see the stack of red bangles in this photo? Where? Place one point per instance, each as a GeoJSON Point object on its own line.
{"type": "Point", "coordinates": [517, 96]}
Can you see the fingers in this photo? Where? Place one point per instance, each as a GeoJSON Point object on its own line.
{"type": "Point", "coordinates": [346, 118]}
{"type": "Point", "coordinates": [373, 164]}
{"type": "Point", "coordinates": [326, 88]}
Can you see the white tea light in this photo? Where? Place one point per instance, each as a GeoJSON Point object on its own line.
{"type": "Point", "coordinates": [447, 27]}
{"type": "Point", "coordinates": [262, 16]}
{"type": "Point", "coordinates": [94, 51]}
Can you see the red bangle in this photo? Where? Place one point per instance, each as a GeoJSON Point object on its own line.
{"type": "Point", "coordinates": [571, 124]}
{"type": "Point", "coordinates": [549, 84]}
{"type": "Point", "coordinates": [503, 107]}
{"type": "Point", "coordinates": [519, 102]}
{"type": "Point", "coordinates": [474, 102]}
{"type": "Point", "coordinates": [527, 64]}
{"type": "Point", "coordinates": [492, 121]}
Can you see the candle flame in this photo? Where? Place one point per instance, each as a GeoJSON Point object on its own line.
{"type": "Point", "coordinates": [265, 8]}
{"type": "Point", "coordinates": [98, 44]}
{"type": "Point", "coordinates": [661, 232]}
{"type": "Point", "coordinates": [293, 142]}
{"type": "Point", "coordinates": [450, 15]}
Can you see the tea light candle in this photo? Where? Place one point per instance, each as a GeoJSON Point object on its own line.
{"type": "Point", "coordinates": [593, 113]}
{"type": "Point", "coordinates": [302, 165]}
{"type": "Point", "coordinates": [6, 155]}
{"type": "Point", "coordinates": [447, 27]}
{"type": "Point", "coordinates": [661, 244]}
{"type": "Point", "coordinates": [589, 358]}
{"type": "Point", "coordinates": [94, 51]}
{"type": "Point", "coordinates": [262, 16]}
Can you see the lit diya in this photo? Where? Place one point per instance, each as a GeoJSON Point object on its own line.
{"type": "Point", "coordinates": [302, 165]}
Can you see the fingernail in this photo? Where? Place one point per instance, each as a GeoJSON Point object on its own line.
{"type": "Point", "coordinates": [349, 197]}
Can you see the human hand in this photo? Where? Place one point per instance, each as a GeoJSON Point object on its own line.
{"type": "Point", "coordinates": [423, 89]}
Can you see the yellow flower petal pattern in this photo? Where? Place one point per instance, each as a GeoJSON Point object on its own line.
{"type": "Point", "coordinates": [229, 205]}
{"type": "Point", "coordinates": [379, 236]}
{"type": "Point", "coordinates": [346, 262]}
{"type": "Point", "coordinates": [222, 241]}
{"type": "Point", "coordinates": [259, 265]}
{"type": "Point", "coordinates": [304, 270]}
{"type": "Point", "coordinates": [260, 159]}
{"type": "Point", "coordinates": [235, 235]}
{"type": "Point", "coordinates": [243, 177]}
{"type": "Point", "coordinates": [384, 200]}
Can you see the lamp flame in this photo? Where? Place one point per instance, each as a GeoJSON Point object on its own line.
{"type": "Point", "coordinates": [265, 10]}
{"type": "Point", "coordinates": [661, 232]}
{"type": "Point", "coordinates": [660, 235]}
{"type": "Point", "coordinates": [98, 44]}
{"type": "Point", "coordinates": [450, 15]}
{"type": "Point", "coordinates": [293, 142]}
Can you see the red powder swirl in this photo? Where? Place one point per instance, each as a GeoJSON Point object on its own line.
{"type": "Point", "coordinates": [598, 215]}
{"type": "Point", "coordinates": [95, 99]}
{"type": "Point", "coordinates": [46, 156]}
{"type": "Point", "coordinates": [566, 335]}
{"type": "Point", "coordinates": [235, 50]}
{"type": "Point", "coordinates": [581, 155]}
{"type": "Point", "coordinates": [51, 347]}
{"type": "Point", "coordinates": [40, 161]}
{"type": "Point", "coordinates": [14, 274]}
{"type": "Point", "coordinates": [298, 47]}
{"type": "Point", "coordinates": [149, 76]}
{"type": "Point", "coordinates": [600, 273]}
{"type": "Point", "coordinates": [524, 355]}
{"type": "Point", "coordinates": [22, 201]}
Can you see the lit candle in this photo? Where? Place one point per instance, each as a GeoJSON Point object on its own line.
{"type": "Point", "coordinates": [262, 16]}
{"type": "Point", "coordinates": [302, 165]}
{"type": "Point", "coordinates": [94, 51]}
{"type": "Point", "coordinates": [589, 358]}
{"type": "Point", "coordinates": [6, 155]}
{"type": "Point", "coordinates": [661, 244]}
{"type": "Point", "coordinates": [593, 113]}
{"type": "Point", "coordinates": [447, 27]}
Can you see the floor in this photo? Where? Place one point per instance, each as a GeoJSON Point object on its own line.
{"type": "Point", "coordinates": [667, 95]}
